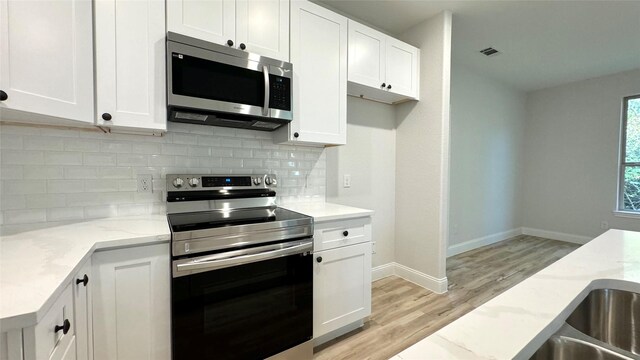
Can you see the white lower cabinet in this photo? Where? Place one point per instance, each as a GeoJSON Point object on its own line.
{"type": "Point", "coordinates": [82, 285]}
{"type": "Point", "coordinates": [341, 277]}
{"type": "Point", "coordinates": [131, 309]}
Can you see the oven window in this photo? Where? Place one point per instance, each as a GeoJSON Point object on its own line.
{"type": "Point", "coordinates": [250, 311]}
{"type": "Point", "coordinates": [200, 78]}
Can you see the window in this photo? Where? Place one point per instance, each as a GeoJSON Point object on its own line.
{"type": "Point", "coordinates": [629, 197]}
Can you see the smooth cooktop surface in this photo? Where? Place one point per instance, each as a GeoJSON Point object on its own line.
{"type": "Point", "coordinates": [220, 218]}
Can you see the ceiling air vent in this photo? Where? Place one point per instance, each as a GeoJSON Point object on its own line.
{"type": "Point", "coordinates": [489, 51]}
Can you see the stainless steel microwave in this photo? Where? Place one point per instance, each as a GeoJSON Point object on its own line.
{"type": "Point", "coordinates": [211, 84]}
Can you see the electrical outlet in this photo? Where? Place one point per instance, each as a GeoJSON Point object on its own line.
{"type": "Point", "coordinates": [604, 225]}
{"type": "Point", "coordinates": [347, 181]}
{"type": "Point", "coordinates": [145, 183]}
{"type": "Point", "coordinates": [373, 247]}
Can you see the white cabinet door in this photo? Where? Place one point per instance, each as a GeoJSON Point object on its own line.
{"type": "Point", "coordinates": [82, 285]}
{"type": "Point", "coordinates": [69, 353]}
{"type": "Point", "coordinates": [131, 308]}
{"type": "Point", "coordinates": [263, 27]}
{"type": "Point", "coordinates": [366, 55]}
{"type": "Point", "coordinates": [319, 57]}
{"type": "Point", "coordinates": [341, 287]}
{"type": "Point", "coordinates": [402, 66]}
{"type": "Point", "coordinates": [130, 64]}
{"type": "Point", "coordinates": [46, 58]}
{"type": "Point", "coordinates": [209, 20]}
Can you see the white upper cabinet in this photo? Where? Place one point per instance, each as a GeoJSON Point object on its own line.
{"type": "Point", "coordinates": [366, 55]}
{"type": "Point", "coordinates": [46, 59]}
{"type": "Point", "coordinates": [263, 26]}
{"type": "Point", "coordinates": [257, 26]}
{"type": "Point", "coordinates": [319, 58]}
{"type": "Point", "coordinates": [380, 67]}
{"type": "Point", "coordinates": [402, 64]}
{"type": "Point", "coordinates": [130, 65]}
{"type": "Point", "coordinates": [212, 20]}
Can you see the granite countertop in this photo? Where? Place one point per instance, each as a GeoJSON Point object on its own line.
{"type": "Point", "coordinates": [35, 266]}
{"type": "Point", "coordinates": [515, 323]}
{"type": "Point", "coordinates": [323, 211]}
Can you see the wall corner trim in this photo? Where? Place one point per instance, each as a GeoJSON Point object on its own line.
{"type": "Point", "coordinates": [439, 286]}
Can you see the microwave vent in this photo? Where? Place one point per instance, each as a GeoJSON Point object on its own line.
{"type": "Point", "coordinates": [191, 116]}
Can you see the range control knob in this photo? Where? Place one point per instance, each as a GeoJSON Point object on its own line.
{"type": "Point", "coordinates": [178, 182]}
{"type": "Point", "coordinates": [257, 181]}
{"type": "Point", "coordinates": [193, 182]}
{"type": "Point", "coordinates": [270, 181]}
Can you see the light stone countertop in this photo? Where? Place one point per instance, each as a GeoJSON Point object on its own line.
{"type": "Point", "coordinates": [324, 211]}
{"type": "Point", "coordinates": [515, 323]}
{"type": "Point", "coordinates": [35, 266]}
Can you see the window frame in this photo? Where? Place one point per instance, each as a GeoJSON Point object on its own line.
{"type": "Point", "coordinates": [622, 164]}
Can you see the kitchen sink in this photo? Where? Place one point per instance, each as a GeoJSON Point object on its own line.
{"type": "Point", "coordinates": [605, 325]}
{"type": "Point", "coordinates": [611, 316]}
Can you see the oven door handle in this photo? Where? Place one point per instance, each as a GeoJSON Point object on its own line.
{"type": "Point", "coordinates": [267, 88]}
{"type": "Point", "coordinates": [217, 262]}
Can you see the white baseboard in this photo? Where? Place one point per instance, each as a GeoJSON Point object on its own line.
{"type": "Point", "coordinates": [382, 271]}
{"type": "Point", "coordinates": [576, 239]}
{"type": "Point", "coordinates": [428, 282]}
{"type": "Point", "coordinates": [482, 241]}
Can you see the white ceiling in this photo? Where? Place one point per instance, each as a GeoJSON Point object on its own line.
{"type": "Point", "coordinates": [542, 43]}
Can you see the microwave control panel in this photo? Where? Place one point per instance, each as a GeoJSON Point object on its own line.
{"type": "Point", "coordinates": [280, 92]}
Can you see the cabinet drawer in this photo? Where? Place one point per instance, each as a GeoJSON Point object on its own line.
{"type": "Point", "coordinates": [335, 234]}
{"type": "Point", "coordinates": [42, 341]}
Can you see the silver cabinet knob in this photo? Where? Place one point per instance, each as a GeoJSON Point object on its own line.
{"type": "Point", "coordinates": [178, 182]}
{"type": "Point", "coordinates": [193, 182]}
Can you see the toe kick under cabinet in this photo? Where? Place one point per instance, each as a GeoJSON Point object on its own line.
{"type": "Point", "coordinates": [342, 277]}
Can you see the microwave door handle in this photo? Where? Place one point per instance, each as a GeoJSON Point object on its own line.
{"type": "Point", "coordinates": [267, 86]}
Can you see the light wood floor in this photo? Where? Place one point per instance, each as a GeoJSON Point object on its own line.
{"type": "Point", "coordinates": [404, 313]}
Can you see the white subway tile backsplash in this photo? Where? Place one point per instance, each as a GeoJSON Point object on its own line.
{"type": "Point", "coordinates": [116, 147]}
{"type": "Point", "coordinates": [24, 216]}
{"type": "Point", "coordinates": [43, 201]}
{"type": "Point", "coordinates": [100, 159]}
{"type": "Point", "coordinates": [133, 160]}
{"type": "Point", "coordinates": [43, 143]}
{"type": "Point", "coordinates": [55, 176]}
{"type": "Point", "coordinates": [120, 172]}
{"type": "Point", "coordinates": [18, 187]}
{"type": "Point", "coordinates": [65, 213]}
{"type": "Point", "coordinates": [162, 160]}
{"type": "Point", "coordinates": [65, 186]}
{"type": "Point", "coordinates": [10, 172]}
{"type": "Point", "coordinates": [62, 158]}
{"type": "Point", "coordinates": [173, 149]}
{"type": "Point", "coordinates": [101, 185]}
{"type": "Point", "coordinates": [22, 157]}
{"type": "Point", "coordinates": [12, 202]}
{"type": "Point", "coordinates": [11, 141]}
{"type": "Point", "coordinates": [80, 172]}
{"type": "Point", "coordinates": [43, 172]}
{"type": "Point", "coordinates": [83, 145]}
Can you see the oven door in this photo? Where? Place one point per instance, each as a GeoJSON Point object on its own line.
{"type": "Point", "coordinates": [217, 82]}
{"type": "Point", "coordinates": [242, 306]}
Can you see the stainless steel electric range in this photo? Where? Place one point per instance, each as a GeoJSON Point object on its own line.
{"type": "Point", "coordinates": [241, 270]}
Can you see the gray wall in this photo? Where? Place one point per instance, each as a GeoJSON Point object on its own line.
{"type": "Point", "coordinates": [370, 158]}
{"type": "Point", "coordinates": [487, 142]}
{"type": "Point", "coordinates": [422, 154]}
{"type": "Point", "coordinates": [571, 155]}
